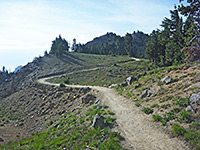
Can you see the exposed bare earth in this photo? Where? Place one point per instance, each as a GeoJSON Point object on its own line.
{"type": "Point", "coordinates": [139, 131]}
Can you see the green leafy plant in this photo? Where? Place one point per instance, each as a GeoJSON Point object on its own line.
{"type": "Point", "coordinates": [147, 110]}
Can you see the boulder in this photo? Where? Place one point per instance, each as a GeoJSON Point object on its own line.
{"type": "Point", "coordinates": [165, 80]}
{"type": "Point", "coordinates": [190, 109]}
{"type": "Point", "coordinates": [129, 80]}
{"type": "Point", "coordinates": [87, 98]}
{"type": "Point", "coordinates": [98, 122]}
{"type": "Point", "coordinates": [145, 93]}
{"type": "Point", "coordinates": [195, 98]}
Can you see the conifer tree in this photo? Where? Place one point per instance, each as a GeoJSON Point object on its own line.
{"type": "Point", "coordinates": [59, 46]}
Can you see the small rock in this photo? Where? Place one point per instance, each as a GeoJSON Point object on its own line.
{"type": "Point", "coordinates": [165, 80]}
{"type": "Point", "coordinates": [137, 86]}
{"type": "Point", "coordinates": [160, 89]}
{"type": "Point", "coordinates": [194, 98]}
{"type": "Point", "coordinates": [153, 81]}
{"type": "Point", "coordinates": [97, 101]}
{"type": "Point", "coordinates": [99, 107]}
{"type": "Point", "coordinates": [57, 125]}
{"type": "Point", "coordinates": [114, 86]}
{"type": "Point", "coordinates": [129, 80]}
{"type": "Point", "coordinates": [190, 109]}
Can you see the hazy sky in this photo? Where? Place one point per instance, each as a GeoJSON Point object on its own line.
{"type": "Point", "coordinates": [27, 27]}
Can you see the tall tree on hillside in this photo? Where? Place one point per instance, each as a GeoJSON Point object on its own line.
{"type": "Point", "coordinates": [153, 47]}
{"type": "Point", "coordinates": [74, 45]}
{"type": "Point", "coordinates": [176, 41]}
{"type": "Point", "coordinates": [59, 46]}
{"type": "Point", "coordinates": [129, 45]}
{"type": "Point", "coordinates": [192, 10]}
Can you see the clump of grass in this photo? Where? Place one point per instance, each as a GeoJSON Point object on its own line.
{"type": "Point", "coordinates": [137, 104]}
{"type": "Point", "coordinates": [182, 102]}
{"type": "Point", "coordinates": [185, 116]}
{"type": "Point", "coordinates": [147, 110]}
{"type": "Point", "coordinates": [194, 138]}
{"type": "Point", "coordinates": [165, 106]}
{"type": "Point", "coordinates": [110, 112]}
{"type": "Point", "coordinates": [178, 130]}
{"type": "Point", "coordinates": [109, 120]}
{"type": "Point", "coordinates": [62, 85]}
{"type": "Point", "coordinates": [157, 118]}
{"type": "Point", "coordinates": [154, 105]}
{"type": "Point", "coordinates": [195, 125]}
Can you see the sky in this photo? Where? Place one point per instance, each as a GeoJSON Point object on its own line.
{"type": "Point", "coordinates": [28, 27]}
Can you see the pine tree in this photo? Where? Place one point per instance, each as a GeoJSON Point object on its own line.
{"type": "Point", "coordinates": [129, 45]}
{"type": "Point", "coordinates": [59, 46]}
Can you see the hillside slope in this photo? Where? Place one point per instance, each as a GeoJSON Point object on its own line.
{"type": "Point", "coordinates": [51, 65]}
{"type": "Point", "coordinates": [137, 129]}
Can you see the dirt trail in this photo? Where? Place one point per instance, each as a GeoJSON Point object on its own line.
{"type": "Point", "coordinates": [139, 131]}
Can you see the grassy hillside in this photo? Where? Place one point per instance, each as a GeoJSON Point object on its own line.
{"type": "Point", "coordinates": [114, 73]}
{"type": "Point", "coordinates": [167, 103]}
{"type": "Point", "coordinates": [55, 118]}
{"type": "Point", "coordinates": [49, 65]}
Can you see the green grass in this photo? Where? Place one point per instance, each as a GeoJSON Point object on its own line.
{"type": "Point", "coordinates": [157, 118]}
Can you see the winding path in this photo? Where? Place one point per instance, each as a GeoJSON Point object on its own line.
{"type": "Point", "coordinates": [139, 131]}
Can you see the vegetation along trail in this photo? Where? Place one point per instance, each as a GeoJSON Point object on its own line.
{"type": "Point", "coordinates": [139, 131]}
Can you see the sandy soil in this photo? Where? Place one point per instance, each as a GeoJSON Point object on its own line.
{"type": "Point", "coordinates": [138, 129]}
